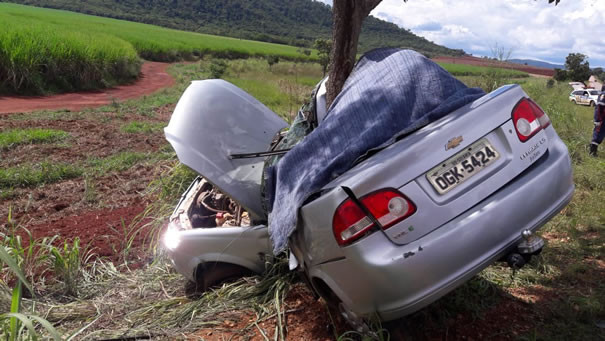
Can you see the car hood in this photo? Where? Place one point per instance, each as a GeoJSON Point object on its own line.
{"type": "Point", "coordinates": [215, 119]}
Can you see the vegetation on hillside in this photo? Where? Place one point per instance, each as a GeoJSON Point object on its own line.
{"type": "Point", "coordinates": [295, 22]}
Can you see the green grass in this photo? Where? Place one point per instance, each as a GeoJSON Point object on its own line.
{"type": "Point", "coordinates": [121, 161]}
{"type": "Point", "coordinates": [568, 269]}
{"type": "Point", "coordinates": [38, 174]}
{"type": "Point", "coordinates": [142, 127]}
{"type": "Point", "coordinates": [281, 88]}
{"type": "Point", "coordinates": [14, 137]}
{"type": "Point", "coordinates": [44, 50]}
{"type": "Point", "coordinates": [471, 70]}
{"type": "Point", "coordinates": [40, 53]}
{"type": "Point", "coordinates": [43, 173]}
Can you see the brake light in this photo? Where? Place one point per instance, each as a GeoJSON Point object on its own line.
{"type": "Point", "coordinates": [542, 117]}
{"type": "Point", "coordinates": [388, 206]}
{"type": "Point", "coordinates": [528, 119]}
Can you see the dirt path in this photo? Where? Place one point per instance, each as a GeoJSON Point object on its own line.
{"type": "Point", "coordinates": [153, 78]}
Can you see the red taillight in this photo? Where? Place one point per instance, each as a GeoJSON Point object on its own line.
{"type": "Point", "coordinates": [528, 119]}
{"type": "Point", "coordinates": [388, 206]}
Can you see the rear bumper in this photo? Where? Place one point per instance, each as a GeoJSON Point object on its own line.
{"type": "Point", "coordinates": [395, 280]}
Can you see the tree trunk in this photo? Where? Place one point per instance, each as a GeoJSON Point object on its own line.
{"type": "Point", "coordinates": [347, 17]}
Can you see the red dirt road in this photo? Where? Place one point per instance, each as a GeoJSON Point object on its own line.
{"type": "Point", "coordinates": [153, 78]}
{"type": "Point", "coordinates": [104, 231]}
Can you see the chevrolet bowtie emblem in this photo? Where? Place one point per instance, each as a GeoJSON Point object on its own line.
{"type": "Point", "coordinates": [453, 142]}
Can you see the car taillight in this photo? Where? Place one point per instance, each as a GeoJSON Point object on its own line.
{"type": "Point", "coordinates": [388, 206]}
{"type": "Point", "coordinates": [528, 119]}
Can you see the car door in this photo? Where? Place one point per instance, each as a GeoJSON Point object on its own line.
{"type": "Point", "coordinates": [585, 97]}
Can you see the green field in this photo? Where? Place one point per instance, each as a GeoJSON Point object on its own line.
{"type": "Point", "coordinates": [471, 70]}
{"type": "Point", "coordinates": [44, 50]}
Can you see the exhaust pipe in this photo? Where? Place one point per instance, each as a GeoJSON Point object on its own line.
{"type": "Point", "coordinates": [515, 260]}
{"type": "Point", "coordinates": [531, 245]}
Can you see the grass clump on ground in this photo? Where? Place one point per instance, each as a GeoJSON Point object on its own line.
{"type": "Point", "coordinates": [38, 174]}
{"type": "Point", "coordinates": [16, 137]}
{"type": "Point", "coordinates": [37, 57]}
{"type": "Point", "coordinates": [46, 172]}
{"type": "Point", "coordinates": [136, 127]}
{"type": "Point", "coordinates": [121, 161]}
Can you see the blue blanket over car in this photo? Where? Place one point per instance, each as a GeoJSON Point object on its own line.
{"type": "Point", "coordinates": [390, 92]}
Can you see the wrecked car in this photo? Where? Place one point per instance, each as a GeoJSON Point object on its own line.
{"type": "Point", "coordinates": [385, 201]}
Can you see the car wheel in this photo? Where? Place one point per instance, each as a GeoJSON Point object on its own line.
{"type": "Point", "coordinates": [592, 103]}
{"type": "Point", "coordinates": [336, 307]}
{"type": "Point", "coordinates": [573, 101]}
{"type": "Point", "coordinates": [209, 275]}
{"type": "Point", "coordinates": [358, 323]}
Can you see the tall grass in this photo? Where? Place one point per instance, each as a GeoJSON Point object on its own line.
{"type": "Point", "coordinates": [17, 260]}
{"type": "Point", "coordinates": [572, 122]}
{"type": "Point", "coordinates": [282, 88]}
{"type": "Point", "coordinates": [36, 58]}
{"type": "Point", "coordinates": [44, 50]}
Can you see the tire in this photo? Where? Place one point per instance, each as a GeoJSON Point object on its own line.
{"type": "Point", "coordinates": [210, 275]}
{"type": "Point", "coordinates": [573, 101]}
{"type": "Point", "coordinates": [592, 104]}
{"type": "Point", "coordinates": [337, 308]}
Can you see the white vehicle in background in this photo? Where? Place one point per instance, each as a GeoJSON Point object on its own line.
{"type": "Point", "coordinates": [577, 85]}
{"type": "Point", "coordinates": [584, 96]}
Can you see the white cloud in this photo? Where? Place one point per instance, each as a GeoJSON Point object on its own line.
{"type": "Point", "coordinates": [532, 28]}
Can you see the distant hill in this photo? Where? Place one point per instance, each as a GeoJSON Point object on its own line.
{"type": "Point", "coordinates": [537, 63]}
{"type": "Point", "coordinates": [292, 22]}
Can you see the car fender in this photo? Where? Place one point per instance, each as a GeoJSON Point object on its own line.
{"type": "Point", "coordinates": [247, 263]}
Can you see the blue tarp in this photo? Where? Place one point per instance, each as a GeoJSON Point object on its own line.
{"type": "Point", "coordinates": [390, 92]}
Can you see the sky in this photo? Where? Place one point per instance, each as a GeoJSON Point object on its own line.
{"type": "Point", "coordinates": [530, 29]}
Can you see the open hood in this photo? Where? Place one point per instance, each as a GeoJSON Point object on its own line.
{"type": "Point", "coordinates": [215, 119]}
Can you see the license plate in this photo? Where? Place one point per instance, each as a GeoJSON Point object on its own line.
{"type": "Point", "coordinates": [462, 166]}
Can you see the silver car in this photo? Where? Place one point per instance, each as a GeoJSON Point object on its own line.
{"type": "Point", "coordinates": [446, 201]}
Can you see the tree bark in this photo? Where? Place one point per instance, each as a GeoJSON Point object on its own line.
{"type": "Point", "coordinates": [347, 17]}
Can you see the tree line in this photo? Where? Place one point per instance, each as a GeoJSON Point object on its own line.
{"type": "Point", "coordinates": [577, 69]}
